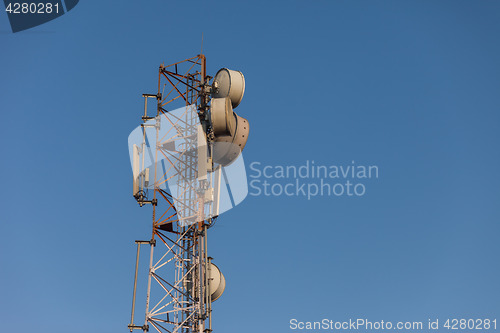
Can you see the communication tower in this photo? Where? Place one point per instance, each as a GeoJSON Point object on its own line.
{"type": "Point", "coordinates": [178, 160]}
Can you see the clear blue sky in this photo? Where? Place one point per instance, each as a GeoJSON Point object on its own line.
{"type": "Point", "coordinates": [410, 86]}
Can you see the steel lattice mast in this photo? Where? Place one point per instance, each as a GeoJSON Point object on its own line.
{"type": "Point", "coordinates": [178, 302]}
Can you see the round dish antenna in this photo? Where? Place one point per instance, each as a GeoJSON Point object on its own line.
{"type": "Point", "coordinates": [229, 83]}
{"type": "Point", "coordinates": [222, 116]}
{"type": "Point", "coordinates": [228, 147]}
{"type": "Point", "coordinates": [217, 282]}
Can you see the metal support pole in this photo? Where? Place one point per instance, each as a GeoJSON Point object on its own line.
{"type": "Point", "coordinates": [201, 287]}
{"type": "Point", "coordinates": [135, 286]}
{"type": "Point", "coordinates": [208, 262]}
{"type": "Point", "coordinates": [149, 284]}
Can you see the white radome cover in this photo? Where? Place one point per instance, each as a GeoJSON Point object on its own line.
{"type": "Point", "coordinates": [229, 83]}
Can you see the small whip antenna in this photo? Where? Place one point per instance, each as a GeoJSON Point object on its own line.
{"type": "Point", "coordinates": [201, 51]}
